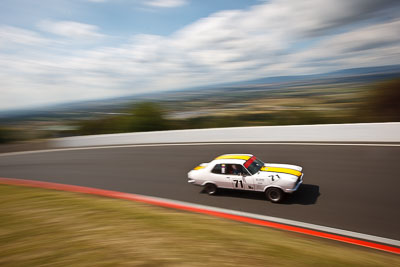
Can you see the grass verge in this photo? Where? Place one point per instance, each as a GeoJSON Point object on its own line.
{"type": "Point", "coordinates": [41, 227]}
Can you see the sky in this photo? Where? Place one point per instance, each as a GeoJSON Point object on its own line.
{"type": "Point", "coordinates": [57, 51]}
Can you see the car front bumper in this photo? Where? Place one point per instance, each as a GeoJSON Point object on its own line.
{"type": "Point", "coordinates": [299, 182]}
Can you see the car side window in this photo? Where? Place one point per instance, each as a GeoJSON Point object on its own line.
{"type": "Point", "coordinates": [244, 170]}
{"type": "Point", "coordinates": [231, 169]}
{"type": "Point", "coordinates": [217, 169]}
{"type": "Point", "coordinates": [235, 169]}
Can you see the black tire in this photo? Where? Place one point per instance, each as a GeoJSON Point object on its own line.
{"type": "Point", "coordinates": [274, 194]}
{"type": "Point", "coordinates": [210, 189]}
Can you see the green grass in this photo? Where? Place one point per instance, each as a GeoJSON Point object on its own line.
{"type": "Point", "coordinates": [50, 228]}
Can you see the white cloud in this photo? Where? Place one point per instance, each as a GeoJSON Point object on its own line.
{"type": "Point", "coordinates": [9, 36]}
{"type": "Point", "coordinates": [152, 3]}
{"type": "Point", "coordinates": [164, 3]}
{"type": "Point", "coordinates": [279, 37]}
{"type": "Point", "coordinates": [374, 42]}
{"type": "Point", "coordinates": [70, 29]}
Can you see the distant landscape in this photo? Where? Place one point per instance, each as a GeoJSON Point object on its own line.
{"type": "Point", "coordinates": [347, 96]}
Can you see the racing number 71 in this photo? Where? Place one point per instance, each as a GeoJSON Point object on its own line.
{"type": "Point", "coordinates": [237, 183]}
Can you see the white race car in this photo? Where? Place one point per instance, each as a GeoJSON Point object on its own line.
{"type": "Point", "coordinates": [246, 172]}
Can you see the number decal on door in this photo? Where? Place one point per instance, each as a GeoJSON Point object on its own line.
{"type": "Point", "coordinates": [274, 177]}
{"type": "Point", "coordinates": [237, 183]}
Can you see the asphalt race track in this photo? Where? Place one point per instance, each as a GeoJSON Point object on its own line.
{"type": "Point", "coordinates": [354, 188]}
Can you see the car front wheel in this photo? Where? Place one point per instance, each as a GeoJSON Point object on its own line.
{"type": "Point", "coordinates": [210, 189]}
{"type": "Point", "coordinates": [274, 194]}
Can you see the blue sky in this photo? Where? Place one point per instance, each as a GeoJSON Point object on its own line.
{"type": "Point", "coordinates": [116, 17]}
{"type": "Point", "coordinates": [55, 51]}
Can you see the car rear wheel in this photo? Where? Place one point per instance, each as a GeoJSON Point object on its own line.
{"type": "Point", "coordinates": [274, 194]}
{"type": "Point", "coordinates": [210, 189]}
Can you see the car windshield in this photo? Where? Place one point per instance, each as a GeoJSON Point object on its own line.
{"type": "Point", "coordinates": [253, 165]}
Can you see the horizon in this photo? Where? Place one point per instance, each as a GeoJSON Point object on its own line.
{"type": "Point", "coordinates": [207, 89]}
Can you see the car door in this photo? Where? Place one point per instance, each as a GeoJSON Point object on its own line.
{"type": "Point", "coordinates": [248, 182]}
{"type": "Point", "coordinates": [241, 179]}
{"type": "Point", "coordinates": [220, 176]}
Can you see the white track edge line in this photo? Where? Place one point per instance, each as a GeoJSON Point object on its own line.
{"type": "Point", "coordinates": [326, 229]}
{"type": "Point", "coordinates": [192, 144]}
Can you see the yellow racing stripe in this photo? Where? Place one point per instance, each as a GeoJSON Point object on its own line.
{"type": "Point", "coordinates": [244, 157]}
{"type": "Point", "coordinates": [199, 167]}
{"type": "Point", "coordinates": [282, 170]}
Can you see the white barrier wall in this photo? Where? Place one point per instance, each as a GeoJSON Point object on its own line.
{"type": "Point", "coordinates": [363, 132]}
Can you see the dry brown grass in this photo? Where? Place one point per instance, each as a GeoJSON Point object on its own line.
{"type": "Point", "coordinates": [50, 228]}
